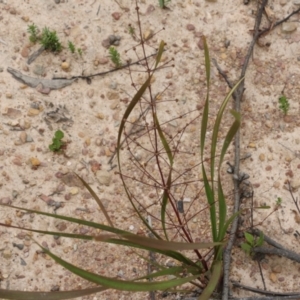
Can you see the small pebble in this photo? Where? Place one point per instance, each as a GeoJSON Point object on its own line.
{"type": "Point", "coordinates": [25, 52]}
{"type": "Point", "coordinates": [61, 226]}
{"type": "Point", "coordinates": [131, 227]}
{"type": "Point", "coordinates": [273, 277]}
{"type": "Point", "coordinates": [19, 246]}
{"type": "Point", "coordinates": [262, 157]}
{"type": "Point", "coordinates": [277, 269]}
{"type": "Point", "coordinates": [74, 191]}
{"type": "Point", "coordinates": [90, 93]}
{"type": "Point", "coordinates": [25, 18]}
{"type": "Point", "coordinates": [12, 11]}
{"type": "Point", "coordinates": [116, 15]}
{"type": "Point", "coordinates": [33, 112]}
{"type": "Point", "coordinates": [150, 9]}
{"type": "Point", "coordinates": [104, 177]}
{"type": "Point", "coordinates": [7, 254]}
{"type": "Point", "coordinates": [23, 137]}
{"type": "Point", "coordinates": [288, 27]}
{"type": "Point", "coordinates": [65, 66]}
{"type": "Point", "coordinates": [190, 27]}
{"type": "Point", "coordinates": [35, 162]}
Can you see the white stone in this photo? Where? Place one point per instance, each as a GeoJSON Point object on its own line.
{"type": "Point", "coordinates": [288, 27]}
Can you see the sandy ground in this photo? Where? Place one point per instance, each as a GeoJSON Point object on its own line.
{"type": "Point", "coordinates": [89, 115]}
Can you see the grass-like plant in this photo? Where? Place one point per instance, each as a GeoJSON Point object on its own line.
{"type": "Point", "coordinates": [50, 40]}
{"type": "Point", "coordinates": [33, 31]}
{"type": "Point", "coordinates": [284, 104]}
{"type": "Point", "coordinates": [166, 171]}
{"type": "Point", "coordinates": [115, 56]}
{"type": "Point", "coordinates": [162, 3]}
{"type": "Point", "coordinates": [71, 47]}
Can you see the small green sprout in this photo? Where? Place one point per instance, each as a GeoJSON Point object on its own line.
{"type": "Point", "coordinates": [50, 40]}
{"type": "Point", "coordinates": [162, 3]}
{"type": "Point", "coordinates": [57, 142]}
{"type": "Point", "coordinates": [252, 242]}
{"type": "Point", "coordinates": [284, 104]}
{"type": "Point", "coordinates": [71, 47]}
{"type": "Point", "coordinates": [33, 31]}
{"type": "Point", "coordinates": [131, 30]}
{"type": "Point", "coordinates": [115, 56]}
{"type": "Point", "coordinates": [79, 51]}
{"type": "Point", "coordinates": [278, 201]}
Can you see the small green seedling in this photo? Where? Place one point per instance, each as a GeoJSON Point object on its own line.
{"type": "Point", "coordinates": [131, 30]}
{"type": "Point", "coordinates": [71, 47]}
{"type": "Point", "coordinates": [115, 56]}
{"type": "Point", "coordinates": [33, 31]}
{"type": "Point", "coordinates": [50, 40]}
{"type": "Point", "coordinates": [162, 3]}
{"type": "Point", "coordinates": [57, 142]}
{"type": "Point", "coordinates": [278, 201]}
{"type": "Point", "coordinates": [252, 242]}
{"type": "Point", "coordinates": [79, 51]}
{"type": "Point", "coordinates": [284, 104]}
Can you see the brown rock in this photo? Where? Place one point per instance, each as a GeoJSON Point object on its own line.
{"type": "Point", "coordinates": [25, 51]}
{"type": "Point", "coordinates": [116, 15]}
{"type": "Point", "coordinates": [112, 95]}
{"type": "Point", "coordinates": [106, 43]}
{"type": "Point", "coordinates": [61, 226]}
{"type": "Point", "coordinates": [12, 113]}
{"type": "Point", "coordinates": [273, 277]}
{"type": "Point", "coordinates": [150, 9]}
{"type": "Point", "coordinates": [190, 27]}
{"type": "Point", "coordinates": [277, 269]}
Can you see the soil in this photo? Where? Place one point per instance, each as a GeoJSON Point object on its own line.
{"type": "Point", "coordinates": [89, 113]}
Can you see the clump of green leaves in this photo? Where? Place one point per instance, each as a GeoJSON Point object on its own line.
{"type": "Point", "coordinates": [284, 104]}
{"type": "Point", "coordinates": [50, 40]}
{"type": "Point", "coordinates": [73, 49]}
{"type": "Point", "coordinates": [33, 31]}
{"type": "Point", "coordinates": [252, 242]}
{"type": "Point", "coordinates": [162, 3]}
{"type": "Point", "coordinates": [57, 142]}
{"type": "Point", "coordinates": [115, 56]}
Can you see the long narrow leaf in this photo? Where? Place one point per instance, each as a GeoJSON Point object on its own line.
{"type": "Point", "coordinates": [127, 113]}
{"type": "Point", "coordinates": [206, 106]}
{"type": "Point", "coordinates": [97, 200]}
{"type": "Point", "coordinates": [165, 197]}
{"type": "Point", "coordinates": [159, 53]}
{"type": "Point", "coordinates": [117, 284]}
{"type": "Point", "coordinates": [163, 140]}
{"type": "Point", "coordinates": [24, 295]}
{"type": "Point", "coordinates": [211, 201]}
{"type": "Point", "coordinates": [213, 282]}
{"type": "Point", "coordinates": [221, 198]}
{"type": "Point", "coordinates": [166, 245]}
{"type": "Point", "coordinates": [173, 254]}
